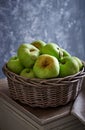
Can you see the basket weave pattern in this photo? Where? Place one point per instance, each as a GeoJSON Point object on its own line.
{"type": "Point", "coordinates": [44, 92]}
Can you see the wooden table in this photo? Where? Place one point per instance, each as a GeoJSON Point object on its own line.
{"type": "Point", "coordinates": [14, 115]}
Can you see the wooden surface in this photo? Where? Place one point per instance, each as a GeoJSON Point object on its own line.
{"type": "Point", "coordinates": [40, 115]}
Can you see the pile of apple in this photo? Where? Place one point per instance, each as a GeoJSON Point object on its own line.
{"type": "Point", "coordinates": [41, 60]}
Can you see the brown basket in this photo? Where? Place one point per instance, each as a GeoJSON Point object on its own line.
{"type": "Point", "coordinates": [44, 92]}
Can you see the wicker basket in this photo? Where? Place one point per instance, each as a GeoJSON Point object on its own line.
{"type": "Point", "coordinates": [44, 92]}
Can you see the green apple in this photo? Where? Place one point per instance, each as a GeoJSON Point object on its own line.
{"type": "Point", "coordinates": [28, 73]}
{"type": "Point", "coordinates": [38, 44]}
{"type": "Point", "coordinates": [51, 49]}
{"type": "Point", "coordinates": [46, 66]}
{"type": "Point", "coordinates": [68, 66]}
{"type": "Point", "coordinates": [65, 53]}
{"type": "Point", "coordinates": [79, 62]}
{"type": "Point", "coordinates": [14, 65]}
{"type": "Point", "coordinates": [28, 54]}
{"type": "Point", "coordinates": [56, 45]}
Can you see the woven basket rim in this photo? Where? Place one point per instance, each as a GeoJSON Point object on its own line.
{"type": "Point", "coordinates": [80, 73]}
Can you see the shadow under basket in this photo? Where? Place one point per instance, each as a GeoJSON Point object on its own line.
{"type": "Point", "coordinates": [44, 92]}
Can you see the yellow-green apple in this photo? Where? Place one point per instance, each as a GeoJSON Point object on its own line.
{"type": "Point", "coordinates": [38, 44]}
{"type": "Point", "coordinates": [68, 66]}
{"type": "Point", "coordinates": [14, 65]}
{"type": "Point", "coordinates": [56, 45]}
{"type": "Point", "coordinates": [27, 54]}
{"type": "Point", "coordinates": [79, 62]}
{"type": "Point", "coordinates": [28, 73]}
{"type": "Point", "coordinates": [46, 66]}
{"type": "Point", "coordinates": [65, 53]}
{"type": "Point", "coordinates": [51, 49]}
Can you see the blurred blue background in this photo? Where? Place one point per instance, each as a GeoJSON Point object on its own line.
{"type": "Point", "coordinates": [59, 21]}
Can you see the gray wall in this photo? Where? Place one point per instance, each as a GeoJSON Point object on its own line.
{"type": "Point", "coordinates": [60, 21]}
